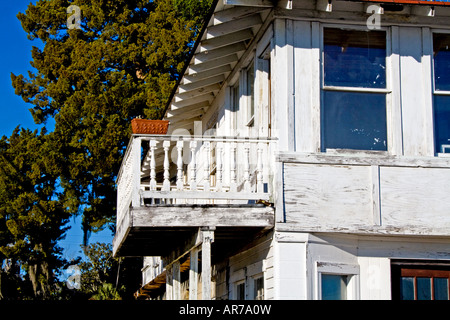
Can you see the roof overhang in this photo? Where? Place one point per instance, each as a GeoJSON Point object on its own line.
{"type": "Point", "coordinates": [229, 30]}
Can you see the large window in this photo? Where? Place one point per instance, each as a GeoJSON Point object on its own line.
{"type": "Point", "coordinates": [420, 281]}
{"type": "Point", "coordinates": [354, 90]}
{"type": "Point", "coordinates": [441, 48]}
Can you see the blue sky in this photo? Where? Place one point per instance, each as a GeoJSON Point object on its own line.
{"type": "Point", "coordinates": [15, 57]}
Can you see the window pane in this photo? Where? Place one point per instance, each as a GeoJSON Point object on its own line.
{"type": "Point", "coordinates": [354, 120]}
{"type": "Point", "coordinates": [251, 89]}
{"type": "Point", "coordinates": [407, 288]}
{"type": "Point", "coordinates": [259, 289]}
{"type": "Point", "coordinates": [423, 288]}
{"type": "Point", "coordinates": [354, 58]}
{"type": "Point", "coordinates": [441, 48]}
{"type": "Point", "coordinates": [240, 289]}
{"type": "Point", "coordinates": [442, 123]}
{"type": "Point", "coordinates": [334, 287]}
{"type": "Point", "coordinates": [440, 288]}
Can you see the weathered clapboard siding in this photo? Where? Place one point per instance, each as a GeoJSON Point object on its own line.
{"type": "Point", "coordinates": [365, 198]}
{"type": "Point", "coordinates": [415, 196]}
{"type": "Point", "coordinates": [256, 259]}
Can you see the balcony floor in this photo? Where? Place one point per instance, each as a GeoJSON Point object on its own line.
{"type": "Point", "coordinates": [159, 229]}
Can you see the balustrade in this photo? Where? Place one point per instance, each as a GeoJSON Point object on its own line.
{"type": "Point", "coordinates": [194, 170]}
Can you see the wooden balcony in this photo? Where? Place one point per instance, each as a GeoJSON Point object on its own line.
{"type": "Point", "coordinates": [170, 186]}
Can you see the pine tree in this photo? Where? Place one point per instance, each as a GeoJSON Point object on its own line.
{"type": "Point", "coordinates": [121, 63]}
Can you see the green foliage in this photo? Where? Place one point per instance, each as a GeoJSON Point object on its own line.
{"type": "Point", "coordinates": [91, 82]}
{"type": "Point", "coordinates": [32, 213]}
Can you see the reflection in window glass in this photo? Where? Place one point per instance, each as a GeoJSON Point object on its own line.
{"type": "Point", "coordinates": [354, 58]}
{"type": "Point", "coordinates": [334, 287]}
{"type": "Point", "coordinates": [240, 291]}
{"type": "Point", "coordinates": [441, 48]}
{"type": "Point", "coordinates": [442, 123]}
{"type": "Point", "coordinates": [440, 288]}
{"type": "Point", "coordinates": [354, 120]}
{"type": "Point", "coordinates": [423, 288]}
{"type": "Point", "coordinates": [407, 288]}
{"type": "Point", "coordinates": [251, 90]}
{"type": "Point", "coordinates": [259, 288]}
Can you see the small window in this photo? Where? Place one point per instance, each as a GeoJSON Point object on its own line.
{"type": "Point", "coordinates": [250, 93]}
{"type": "Point", "coordinates": [441, 49]}
{"type": "Point", "coordinates": [258, 288]}
{"type": "Point", "coordinates": [354, 90]}
{"type": "Point", "coordinates": [334, 287]}
{"type": "Point", "coordinates": [240, 290]}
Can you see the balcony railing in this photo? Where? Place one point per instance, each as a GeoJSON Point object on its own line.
{"type": "Point", "coordinates": [177, 170]}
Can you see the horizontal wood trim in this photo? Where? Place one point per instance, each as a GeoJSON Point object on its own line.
{"type": "Point", "coordinates": [198, 216]}
{"type": "Point", "coordinates": [205, 195]}
{"type": "Point", "coordinates": [360, 158]}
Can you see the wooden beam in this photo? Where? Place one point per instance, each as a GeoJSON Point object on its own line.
{"type": "Point", "coordinates": [233, 26]}
{"type": "Point", "coordinates": [235, 13]}
{"type": "Point", "coordinates": [252, 3]}
{"type": "Point", "coordinates": [189, 102]}
{"type": "Point", "coordinates": [220, 52]}
{"type": "Point", "coordinates": [197, 92]}
{"type": "Point", "coordinates": [208, 238]}
{"type": "Point", "coordinates": [203, 66]}
{"type": "Point", "coordinates": [225, 40]}
{"type": "Point", "coordinates": [206, 74]}
{"type": "Point", "coordinates": [193, 274]}
{"type": "Point", "coordinates": [201, 83]}
{"type": "Point", "coordinates": [179, 111]}
{"type": "Point", "coordinates": [198, 216]}
{"type": "Point", "coordinates": [176, 278]}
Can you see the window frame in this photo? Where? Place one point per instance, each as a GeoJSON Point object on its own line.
{"type": "Point", "coordinates": [387, 91]}
{"type": "Point", "coordinates": [418, 269]}
{"type": "Point", "coordinates": [340, 269]}
{"type": "Point", "coordinates": [250, 112]}
{"type": "Point", "coordinates": [437, 92]}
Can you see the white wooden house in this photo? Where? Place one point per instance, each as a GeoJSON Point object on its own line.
{"type": "Point", "coordinates": [307, 157]}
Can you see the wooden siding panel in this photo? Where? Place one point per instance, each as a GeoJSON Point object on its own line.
{"type": "Point", "coordinates": [328, 195]}
{"type": "Point", "coordinates": [415, 196]}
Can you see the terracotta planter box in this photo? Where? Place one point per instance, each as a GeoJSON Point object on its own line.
{"type": "Point", "coordinates": [145, 126]}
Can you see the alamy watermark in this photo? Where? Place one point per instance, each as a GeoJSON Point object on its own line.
{"type": "Point", "coordinates": [74, 20]}
{"type": "Point", "coordinates": [74, 279]}
{"type": "Point", "coordinates": [374, 21]}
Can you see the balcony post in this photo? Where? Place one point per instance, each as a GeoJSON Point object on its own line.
{"type": "Point", "coordinates": [247, 167]}
{"type": "Point", "coordinates": [193, 182]}
{"type": "Point", "coordinates": [152, 165]}
{"type": "Point", "coordinates": [219, 150]}
{"type": "Point", "coordinates": [208, 238]}
{"type": "Point", "coordinates": [180, 145]}
{"type": "Point", "coordinates": [259, 167]}
{"type": "Point", "coordinates": [166, 183]}
{"type": "Point", "coordinates": [207, 150]}
{"type": "Point", "coordinates": [193, 274]}
{"type": "Point", "coordinates": [136, 172]}
{"type": "Point", "coordinates": [233, 184]}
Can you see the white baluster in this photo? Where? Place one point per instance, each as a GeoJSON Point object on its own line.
{"type": "Point", "coordinates": [193, 182]}
{"type": "Point", "coordinates": [259, 168]}
{"type": "Point", "coordinates": [166, 182]}
{"type": "Point", "coordinates": [207, 151]}
{"type": "Point", "coordinates": [180, 145]}
{"type": "Point", "coordinates": [152, 165]}
{"type": "Point", "coordinates": [219, 150]}
{"type": "Point", "coordinates": [233, 185]}
{"type": "Point", "coordinates": [247, 167]}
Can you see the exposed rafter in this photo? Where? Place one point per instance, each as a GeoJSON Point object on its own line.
{"type": "Point", "coordinates": [223, 42]}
